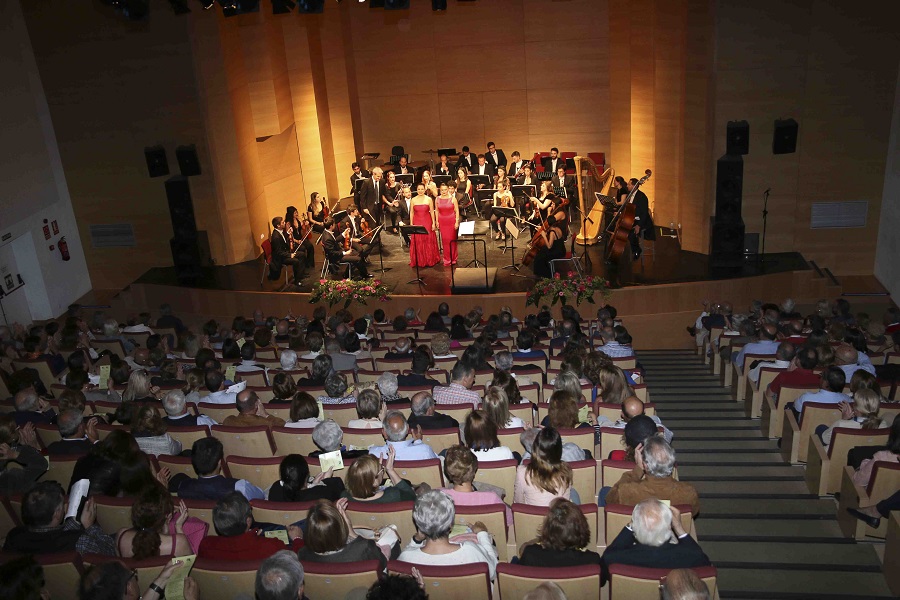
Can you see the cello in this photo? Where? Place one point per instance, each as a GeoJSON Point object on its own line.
{"type": "Point", "coordinates": [624, 223]}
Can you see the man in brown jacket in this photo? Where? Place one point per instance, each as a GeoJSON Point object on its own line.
{"type": "Point", "coordinates": [652, 478]}
{"type": "Point", "coordinates": [252, 413]}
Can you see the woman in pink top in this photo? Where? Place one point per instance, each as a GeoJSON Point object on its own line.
{"type": "Point", "coordinates": [460, 466]}
{"type": "Point", "coordinates": [546, 476]}
{"type": "Point", "coordinates": [891, 454]}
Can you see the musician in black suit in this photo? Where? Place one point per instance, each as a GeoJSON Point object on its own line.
{"type": "Point", "coordinates": [403, 211]}
{"type": "Point", "coordinates": [482, 167]}
{"type": "Point", "coordinates": [443, 166]}
{"type": "Point", "coordinates": [358, 175]}
{"type": "Point", "coordinates": [358, 240]}
{"type": "Point", "coordinates": [516, 165]}
{"type": "Point", "coordinates": [566, 182]}
{"type": "Point", "coordinates": [495, 157]}
{"type": "Point", "coordinates": [281, 253]}
{"type": "Point", "coordinates": [333, 246]}
{"type": "Point", "coordinates": [552, 162]}
{"type": "Point", "coordinates": [466, 159]}
{"type": "Point", "coordinates": [647, 542]}
{"type": "Point", "coordinates": [402, 168]}
{"type": "Point", "coordinates": [643, 222]}
{"type": "Point", "coordinates": [370, 197]}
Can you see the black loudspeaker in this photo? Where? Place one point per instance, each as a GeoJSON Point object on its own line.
{"type": "Point", "coordinates": [785, 140]}
{"type": "Point", "coordinates": [729, 188]}
{"type": "Point", "coordinates": [157, 164]}
{"type": "Point", "coordinates": [187, 160]}
{"type": "Point", "coordinates": [186, 258]}
{"type": "Point", "coordinates": [737, 138]}
{"type": "Point", "coordinates": [726, 241]}
{"type": "Point", "coordinates": [396, 4]}
{"type": "Point", "coordinates": [181, 208]}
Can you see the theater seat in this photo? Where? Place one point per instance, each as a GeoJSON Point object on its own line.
{"type": "Point", "coordinates": [245, 441]}
{"type": "Point", "coordinates": [450, 582]}
{"type": "Point", "coordinates": [637, 583]}
{"type": "Point", "coordinates": [261, 472]}
{"type": "Point", "coordinates": [514, 581]}
{"type": "Point", "coordinates": [375, 516]}
{"type": "Point", "coordinates": [227, 580]}
{"type": "Point", "coordinates": [280, 513]}
{"type": "Point", "coordinates": [339, 580]}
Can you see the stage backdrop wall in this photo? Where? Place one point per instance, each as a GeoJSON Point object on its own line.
{"type": "Point", "coordinates": [887, 267]}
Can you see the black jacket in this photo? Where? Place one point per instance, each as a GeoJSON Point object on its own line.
{"type": "Point", "coordinates": [625, 550]}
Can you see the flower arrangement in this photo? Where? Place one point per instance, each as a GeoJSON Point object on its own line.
{"type": "Point", "coordinates": [348, 291]}
{"type": "Point", "coordinates": [565, 289]}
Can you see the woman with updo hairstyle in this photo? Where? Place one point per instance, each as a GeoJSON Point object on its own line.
{"type": "Point", "coordinates": [138, 388]}
{"type": "Point", "coordinates": [505, 381]}
{"type": "Point", "coordinates": [546, 476]}
{"type": "Point", "coordinates": [330, 537]}
{"type": "Point", "coordinates": [460, 467]}
{"type": "Point", "coordinates": [194, 381]}
{"type": "Point", "coordinates": [863, 380]}
{"type": "Point", "coordinates": [152, 518]}
{"type": "Point", "coordinates": [295, 485]}
{"type": "Point", "coordinates": [364, 478]}
{"type": "Point", "coordinates": [283, 388]}
{"type": "Point", "coordinates": [861, 414]}
{"type": "Point", "coordinates": [458, 330]}
{"type": "Point", "coordinates": [496, 407]}
{"type": "Point", "coordinates": [440, 346]}
{"type": "Point", "coordinates": [149, 430]}
{"type": "Point", "coordinates": [561, 539]}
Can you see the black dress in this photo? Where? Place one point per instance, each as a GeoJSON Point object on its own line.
{"type": "Point", "coordinates": [317, 216]}
{"type": "Point", "coordinates": [556, 250]}
{"type": "Point", "coordinates": [307, 245]}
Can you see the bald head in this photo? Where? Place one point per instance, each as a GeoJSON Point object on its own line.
{"type": "Point", "coordinates": [632, 407]}
{"type": "Point", "coordinates": [247, 401]}
{"type": "Point", "coordinates": [395, 426]}
{"type": "Point", "coordinates": [422, 404]}
{"type": "Point", "coordinates": [846, 355]}
{"type": "Point", "coordinates": [769, 331]}
{"type": "Point", "coordinates": [142, 356]}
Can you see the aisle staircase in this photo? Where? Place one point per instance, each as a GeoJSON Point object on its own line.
{"type": "Point", "coordinates": [768, 537]}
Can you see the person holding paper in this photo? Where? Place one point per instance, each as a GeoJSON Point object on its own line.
{"type": "Point", "coordinates": [366, 476]}
{"type": "Point", "coordinates": [448, 223]}
{"type": "Point", "coordinates": [331, 538]}
{"type": "Point", "coordinates": [295, 484]}
{"type": "Point", "coordinates": [237, 539]}
{"type": "Point", "coordinates": [115, 580]}
{"type": "Point", "coordinates": [423, 249]}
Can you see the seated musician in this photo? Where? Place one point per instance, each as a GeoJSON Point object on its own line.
{"type": "Point", "coordinates": [390, 200]}
{"type": "Point", "coordinates": [358, 228]}
{"type": "Point", "coordinates": [545, 200]}
{"type": "Point", "coordinates": [503, 198]}
{"type": "Point", "coordinates": [466, 160]}
{"type": "Point", "coordinates": [402, 168]}
{"type": "Point", "coordinates": [621, 190]}
{"type": "Point", "coordinates": [551, 241]}
{"type": "Point", "coordinates": [463, 185]}
{"type": "Point", "coordinates": [515, 167]}
{"type": "Point", "coordinates": [566, 182]}
{"type": "Point", "coordinates": [494, 156]}
{"type": "Point", "coordinates": [317, 211]}
{"type": "Point", "coordinates": [482, 167]}
{"type": "Point", "coordinates": [462, 200]}
{"type": "Point", "coordinates": [553, 162]}
{"type": "Point", "coordinates": [283, 254]}
{"type": "Point", "coordinates": [444, 167]}
{"type": "Point", "coordinates": [334, 246]}
{"type": "Point", "coordinates": [299, 231]}
{"type": "Point", "coordinates": [528, 177]}
{"type": "Point", "coordinates": [500, 177]}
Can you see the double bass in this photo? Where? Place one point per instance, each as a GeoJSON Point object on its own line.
{"type": "Point", "coordinates": [624, 223]}
{"type": "Point", "coordinates": [538, 242]}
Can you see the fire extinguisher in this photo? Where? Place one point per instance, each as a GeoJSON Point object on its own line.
{"type": "Point", "coordinates": [63, 248]}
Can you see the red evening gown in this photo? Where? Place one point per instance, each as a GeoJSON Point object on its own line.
{"type": "Point", "coordinates": [423, 249]}
{"type": "Point", "coordinates": [447, 221]}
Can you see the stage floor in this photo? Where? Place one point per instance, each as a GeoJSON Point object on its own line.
{"type": "Point", "coordinates": [664, 262]}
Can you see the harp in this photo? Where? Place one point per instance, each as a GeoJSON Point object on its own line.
{"type": "Point", "coordinates": [593, 193]}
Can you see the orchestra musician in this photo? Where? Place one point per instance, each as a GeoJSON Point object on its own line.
{"type": "Point", "coordinates": [430, 185]}
{"type": "Point", "coordinates": [528, 178]}
{"type": "Point", "coordinates": [552, 162]}
{"type": "Point", "coordinates": [500, 177]}
{"type": "Point", "coordinates": [482, 167]}
{"type": "Point", "coordinates": [515, 167]}
{"type": "Point", "coordinates": [543, 202]}
{"type": "Point", "coordinates": [402, 168]}
{"type": "Point", "coordinates": [553, 241]}
{"type": "Point", "coordinates": [443, 167]}
{"type": "Point", "coordinates": [316, 212]}
{"type": "Point", "coordinates": [357, 226]}
{"type": "Point", "coordinates": [448, 222]}
{"type": "Point", "coordinates": [390, 200]}
{"type": "Point", "coordinates": [333, 245]}
{"type": "Point", "coordinates": [370, 196]}
{"type": "Point", "coordinates": [643, 222]}
{"type": "Point", "coordinates": [405, 209]}
{"type": "Point", "coordinates": [503, 198]}
{"type": "Point", "coordinates": [282, 255]}
{"type": "Point", "coordinates": [566, 182]}
{"type": "Point", "coordinates": [358, 175]}
{"type": "Point", "coordinates": [495, 157]}
{"type": "Point", "coordinates": [298, 230]}
{"type": "Point", "coordinates": [463, 185]}
{"type": "Point", "coordinates": [621, 189]}
{"type": "Point", "coordinates": [466, 160]}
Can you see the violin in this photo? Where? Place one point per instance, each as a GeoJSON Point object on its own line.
{"type": "Point", "coordinates": [346, 235]}
{"type": "Point", "coordinates": [364, 225]}
{"type": "Point", "coordinates": [538, 241]}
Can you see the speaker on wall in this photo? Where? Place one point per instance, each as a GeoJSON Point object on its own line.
{"type": "Point", "coordinates": [187, 160]}
{"type": "Point", "coordinates": [181, 207]}
{"type": "Point", "coordinates": [729, 187]}
{"type": "Point", "coordinates": [157, 164]}
{"type": "Point", "coordinates": [737, 138]}
{"type": "Point", "coordinates": [785, 139]}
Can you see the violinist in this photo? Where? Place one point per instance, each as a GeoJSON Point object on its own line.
{"type": "Point", "coordinates": [316, 212]}
{"type": "Point", "coordinates": [390, 200]}
{"type": "Point", "coordinates": [566, 182]}
{"type": "Point", "coordinates": [541, 205]}
{"type": "Point", "coordinates": [515, 167]}
{"type": "Point", "coordinates": [281, 253]}
{"type": "Point", "coordinates": [550, 240]}
{"type": "Point", "coordinates": [528, 177]}
{"type": "Point", "coordinates": [357, 229]}
{"type": "Point", "coordinates": [503, 198]}
{"type": "Point", "coordinates": [500, 177]}
{"type": "Point", "coordinates": [298, 230]}
{"type": "Point", "coordinates": [332, 243]}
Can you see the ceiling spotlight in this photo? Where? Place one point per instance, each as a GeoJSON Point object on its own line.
{"type": "Point", "coordinates": [280, 7]}
{"type": "Point", "coordinates": [207, 4]}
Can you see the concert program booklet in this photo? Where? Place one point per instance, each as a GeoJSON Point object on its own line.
{"type": "Point", "coordinates": [104, 377]}
{"type": "Point", "coordinates": [175, 585]}
{"type": "Point", "coordinates": [331, 460]}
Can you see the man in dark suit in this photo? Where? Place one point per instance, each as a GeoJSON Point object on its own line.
{"type": "Point", "coordinates": [648, 541]}
{"type": "Point", "coordinates": [403, 168]}
{"type": "Point", "coordinates": [566, 182]}
{"type": "Point", "coordinates": [76, 438]}
{"type": "Point", "coordinates": [495, 157]}
{"type": "Point", "coordinates": [358, 175]}
{"type": "Point", "coordinates": [363, 246]}
{"type": "Point", "coordinates": [281, 253]}
{"type": "Point", "coordinates": [643, 222]}
{"type": "Point", "coordinates": [404, 210]}
{"type": "Point", "coordinates": [420, 363]}
{"type": "Point", "coordinates": [482, 167]}
{"type": "Point", "coordinates": [466, 160]}
{"type": "Point", "coordinates": [370, 197]}
{"type": "Point", "coordinates": [333, 245]}
{"type": "Point", "coordinates": [552, 162]}
{"type": "Point", "coordinates": [516, 165]}
{"type": "Point", "coordinates": [424, 416]}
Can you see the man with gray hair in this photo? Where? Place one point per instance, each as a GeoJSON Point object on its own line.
{"type": "Point", "coordinates": [655, 539]}
{"type": "Point", "coordinates": [395, 430]}
{"type": "Point", "coordinates": [503, 360]}
{"type": "Point", "coordinates": [329, 436]}
{"type": "Point", "coordinates": [424, 416]}
{"type": "Point", "coordinates": [288, 360]}
{"type": "Point", "coordinates": [280, 577]}
{"type": "Point", "coordinates": [76, 437]}
{"type": "Point", "coordinates": [387, 384]}
{"type": "Point", "coordinates": [31, 408]}
{"type": "Point", "coordinates": [177, 414]}
{"type": "Point", "coordinates": [652, 478]}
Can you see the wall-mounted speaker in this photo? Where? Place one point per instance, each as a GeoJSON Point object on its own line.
{"type": "Point", "coordinates": [188, 162]}
{"type": "Point", "coordinates": [785, 139]}
{"type": "Point", "coordinates": [157, 164]}
{"type": "Point", "coordinates": [729, 187]}
{"type": "Point", "coordinates": [181, 207]}
{"type": "Point", "coordinates": [737, 138]}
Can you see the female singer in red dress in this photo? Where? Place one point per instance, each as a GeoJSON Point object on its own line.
{"type": "Point", "coordinates": [448, 223]}
{"type": "Point", "coordinates": [423, 249]}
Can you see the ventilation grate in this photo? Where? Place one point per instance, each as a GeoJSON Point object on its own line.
{"type": "Point", "coordinates": [829, 215]}
{"type": "Point", "coordinates": [116, 235]}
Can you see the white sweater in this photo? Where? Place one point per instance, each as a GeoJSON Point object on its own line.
{"type": "Point", "coordinates": [468, 553]}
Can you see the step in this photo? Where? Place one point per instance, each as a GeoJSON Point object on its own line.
{"type": "Point", "coordinates": [751, 488]}
{"type": "Point", "coordinates": [765, 527]}
{"type": "Point", "coordinates": [688, 471]}
{"type": "Point", "coordinates": [712, 507]}
{"type": "Point", "coordinates": [788, 585]}
{"type": "Point", "coordinates": [837, 556]}
{"type": "Point", "coordinates": [732, 457]}
{"type": "Point", "coordinates": [756, 444]}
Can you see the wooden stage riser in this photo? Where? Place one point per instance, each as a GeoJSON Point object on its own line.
{"type": "Point", "coordinates": [655, 315]}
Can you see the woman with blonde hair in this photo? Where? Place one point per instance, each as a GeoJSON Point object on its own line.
{"type": "Point", "coordinates": [364, 478]}
{"type": "Point", "coordinates": [193, 383]}
{"type": "Point", "coordinates": [139, 389]}
{"type": "Point", "coordinates": [546, 477]}
{"type": "Point", "coordinates": [862, 414]}
{"type": "Point", "coordinates": [430, 185]}
{"type": "Point", "coordinates": [496, 408]}
{"type": "Point", "coordinates": [612, 386]}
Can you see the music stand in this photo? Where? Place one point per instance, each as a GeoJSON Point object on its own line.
{"type": "Point", "coordinates": [367, 157]}
{"type": "Point", "coordinates": [482, 195]}
{"type": "Point", "coordinates": [465, 233]}
{"type": "Point", "coordinates": [524, 191]}
{"type": "Point", "coordinates": [404, 178]}
{"type": "Point", "coordinates": [357, 186]}
{"type": "Point", "coordinates": [570, 164]}
{"type": "Point", "coordinates": [376, 232]}
{"type": "Point", "coordinates": [339, 216]}
{"type": "Point", "coordinates": [439, 179]}
{"type": "Point", "coordinates": [481, 179]}
{"type": "Point", "coordinates": [448, 151]}
{"type": "Point", "coordinates": [415, 230]}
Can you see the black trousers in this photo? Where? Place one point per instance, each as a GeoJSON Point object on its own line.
{"type": "Point", "coordinates": [296, 264]}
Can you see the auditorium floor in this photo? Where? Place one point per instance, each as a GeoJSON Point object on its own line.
{"type": "Point", "coordinates": [768, 537]}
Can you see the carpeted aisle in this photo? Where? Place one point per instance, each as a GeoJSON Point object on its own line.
{"type": "Point", "coordinates": [768, 537]}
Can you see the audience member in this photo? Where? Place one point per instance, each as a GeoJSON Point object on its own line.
{"type": "Point", "coordinates": [460, 468]}
{"type": "Point", "coordinates": [304, 411]}
{"type": "Point", "coordinates": [155, 530]}
{"type": "Point", "coordinates": [831, 391]}
{"type": "Point", "coordinates": [387, 384]}
{"type": "Point", "coordinates": [76, 437]}
{"type": "Point", "coordinates": [149, 430]}
{"type": "Point", "coordinates": [177, 414]}
{"type": "Point", "coordinates": [423, 414]}
{"type": "Point", "coordinates": [31, 408]}
{"type": "Point", "coordinates": [480, 435]}
{"type": "Point", "coordinates": [336, 390]}
{"type": "Point", "coordinates": [890, 454]}
{"type": "Point", "coordinates": [370, 410]}
{"type": "Point", "coordinates": [236, 537]}
{"type": "Point", "coordinates": [295, 485]}
{"type": "Point", "coordinates": [421, 362]}
{"type": "Point", "coordinates": [21, 463]}
{"type": "Point", "coordinates": [22, 578]}
{"type": "Point", "coordinates": [396, 587]}
{"type": "Point", "coordinates": [318, 373]}
{"type": "Point", "coordinates": [283, 388]}
{"type": "Point", "coordinates": [546, 476]}
{"type": "Point", "coordinates": [252, 413]}
{"type": "Point", "coordinates": [633, 407]}
{"type": "Point", "coordinates": [114, 581]}
{"type": "Point", "coordinates": [366, 475]}
{"type": "Point", "coordinates": [861, 413]}
{"type": "Point", "coordinates": [330, 537]}
{"type": "Point", "coordinates": [395, 430]}
{"type": "Point", "coordinates": [561, 540]}
{"type": "Point", "coordinates": [218, 394]}
{"type": "Point", "coordinates": [280, 577]}
{"type": "Point", "coordinates": [462, 378]}
{"type": "Point", "coordinates": [328, 437]}
{"type": "Point", "coordinates": [800, 374]}
{"type": "Point", "coordinates": [496, 409]}
{"type": "Point", "coordinates": [207, 459]}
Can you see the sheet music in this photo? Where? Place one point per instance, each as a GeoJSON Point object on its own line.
{"type": "Point", "coordinates": [467, 228]}
{"type": "Point", "coordinates": [512, 229]}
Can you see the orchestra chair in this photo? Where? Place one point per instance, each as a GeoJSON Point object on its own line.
{"type": "Point", "coordinates": [264, 392]}
{"type": "Point", "coordinates": [230, 580]}
{"type": "Point", "coordinates": [266, 256]}
{"type": "Point", "coordinates": [282, 410]}
{"type": "Point", "coordinates": [188, 435]}
{"type": "Point", "coordinates": [509, 437]}
{"type": "Point", "coordinates": [147, 569]}
{"type": "Point", "coordinates": [740, 376]}
{"type": "Point", "coordinates": [884, 483]}
{"type": "Point", "coordinates": [61, 467]}
{"type": "Point", "coordinates": [8, 517]}
{"type": "Point", "coordinates": [612, 411]}
{"type": "Point", "coordinates": [62, 571]}
{"type": "Point", "coordinates": [280, 513]}
{"type": "Point", "coordinates": [617, 516]}
{"type": "Point", "coordinates": [47, 433]}
{"type": "Point", "coordinates": [421, 471]}
{"type": "Point", "coordinates": [391, 336]}
{"type": "Point", "coordinates": [371, 515]}
{"type": "Point", "coordinates": [440, 439]}
{"type": "Point", "coordinates": [494, 518]}
{"type": "Point", "coordinates": [499, 473]}
{"type": "Point", "coordinates": [114, 513]}
{"type": "Point", "coordinates": [42, 366]}
{"type": "Point", "coordinates": [363, 438]}
{"type": "Point", "coordinates": [450, 582]}
{"type": "Point", "coordinates": [457, 411]}
{"type": "Point", "coordinates": [611, 471]}
{"type": "Point", "coordinates": [216, 412]}
{"type": "Point", "coordinates": [341, 414]}
{"type": "Point", "coordinates": [824, 467]}
{"type": "Point", "coordinates": [315, 467]}
{"type": "Point", "coordinates": [525, 410]}
{"type": "Point", "coordinates": [245, 441]}
{"type": "Point", "coordinates": [753, 397]}
{"type": "Point", "coordinates": [514, 581]}
{"type": "Point", "coordinates": [772, 417]}
{"type": "Point", "coordinates": [293, 440]}
{"type": "Point", "coordinates": [339, 581]}
{"type": "Point", "coordinates": [566, 265]}
{"type": "Point", "coordinates": [261, 472]}
{"type": "Point", "coordinates": [891, 565]}
{"type": "Point", "coordinates": [892, 358]}
{"type": "Point", "coordinates": [527, 520]}
{"type": "Point", "coordinates": [255, 378]}
{"type": "Point", "coordinates": [643, 583]}
{"type": "Point", "coordinates": [138, 338]}
{"type": "Point", "coordinates": [599, 160]}
{"type": "Point", "coordinates": [203, 510]}
{"type": "Point", "coordinates": [795, 436]}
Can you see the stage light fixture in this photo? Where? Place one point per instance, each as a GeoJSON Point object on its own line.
{"type": "Point", "coordinates": [280, 7]}
{"type": "Point", "coordinates": [180, 7]}
{"type": "Point", "coordinates": [207, 4]}
{"type": "Point", "coordinates": [310, 7]}
{"type": "Point", "coordinates": [437, 5]}
{"type": "Point", "coordinates": [231, 8]}
{"type": "Point", "coordinates": [396, 4]}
